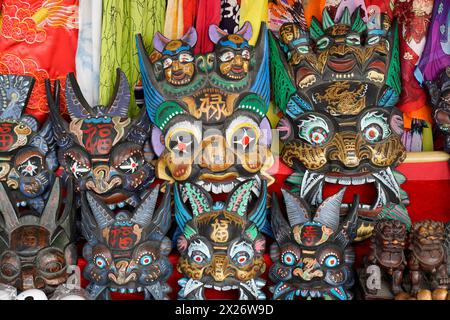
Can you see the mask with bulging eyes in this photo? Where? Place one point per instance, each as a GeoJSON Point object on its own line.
{"type": "Point", "coordinates": [27, 153]}
{"type": "Point", "coordinates": [36, 248]}
{"type": "Point", "coordinates": [221, 244]}
{"type": "Point", "coordinates": [312, 257]}
{"type": "Point", "coordinates": [101, 148]}
{"type": "Point", "coordinates": [213, 130]}
{"type": "Point", "coordinates": [337, 85]}
{"type": "Point", "coordinates": [127, 251]}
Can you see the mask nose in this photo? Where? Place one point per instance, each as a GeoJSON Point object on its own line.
{"type": "Point", "coordinates": [101, 178]}
{"type": "Point", "coordinates": [28, 279]}
{"type": "Point", "coordinates": [219, 268]}
{"type": "Point", "coordinates": [123, 276]}
{"type": "Point", "coordinates": [308, 270]}
{"type": "Point", "coordinates": [238, 60]}
{"type": "Point", "coordinates": [215, 155]}
{"type": "Point", "coordinates": [347, 150]}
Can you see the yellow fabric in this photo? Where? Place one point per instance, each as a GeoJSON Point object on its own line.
{"type": "Point", "coordinates": [427, 138]}
{"type": "Point", "coordinates": [254, 11]}
{"type": "Point", "coordinates": [174, 24]}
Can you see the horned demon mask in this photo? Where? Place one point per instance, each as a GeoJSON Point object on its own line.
{"type": "Point", "coordinates": [36, 248]}
{"type": "Point", "coordinates": [27, 155]}
{"type": "Point", "coordinates": [337, 92]}
{"type": "Point", "coordinates": [312, 257]}
{"type": "Point", "coordinates": [101, 148]}
{"type": "Point", "coordinates": [221, 245]}
{"type": "Point", "coordinates": [127, 251]}
{"type": "Point", "coordinates": [209, 111]}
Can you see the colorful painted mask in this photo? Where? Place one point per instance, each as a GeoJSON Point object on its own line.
{"type": "Point", "coordinates": [101, 148]}
{"type": "Point", "coordinates": [313, 257]}
{"type": "Point", "coordinates": [27, 155]}
{"type": "Point", "coordinates": [212, 129]}
{"type": "Point", "coordinates": [439, 91]}
{"type": "Point", "coordinates": [36, 248]}
{"type": "Point", "coordinates": [127, 251]}
{"type": "Point", "coordinates": [221, 245]}
{"type": "Point", "coordinates": [340, 127]}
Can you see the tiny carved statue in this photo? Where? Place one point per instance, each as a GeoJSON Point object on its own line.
{"type": "Point", "coordinates": [221, 244]}
{"type": "Point", "coordinates": [27, 154]}
{"type": "Point", "coordinates": [387, 246]}
{"type": "Point", "coordinates": [439, 91]}
{"type": "Point", "coordinates": [101, 147]}
{"type": "Point", "coordinates": [209, 112]}
{"type": "Point", "coordinates": [127, 251]}
{"type": "Point", "coordinates": [427, 261]}
{"type": "Point", "coordinates": [312, 256]}
{"type": "Point", "coordinates": [36, 248]}
{"type": "Point", "coordinates": [337, 84]}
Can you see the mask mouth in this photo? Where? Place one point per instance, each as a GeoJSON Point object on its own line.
{"type": "Point", "coordinates": [341, 65]}
{"type": "Point", "coordinates": [289, 291]}
{"type": "Point", "coordinates": [214, 183]}
{"type": "Point", "coordinates": [221, 293]}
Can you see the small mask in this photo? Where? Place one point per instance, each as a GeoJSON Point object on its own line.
{"type": "Point", "coordinates": [36, 248]}
{"type": "Point", "coordinates": [340, 124]}
{"type": "Point", "coordinates": [101, 147]}
{"type": "Point", "coordinates": [127, 252]}
{"type": "Point", "coordinates": [221, 244]}
{"type": "Point", "coordinates": [212, 131]}
{"type": "Point", "coordinates": [27, 154]}
{"type": "Point", "coordinates": [312, 257]}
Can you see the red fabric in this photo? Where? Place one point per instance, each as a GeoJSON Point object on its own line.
{"type": "Point", "coordinates": [39, 38]}
{"type": "Point", "coordinates": [189, 13]}
{"type": "Point", "coordinates": [208, 13]}
{"type": "Point", "coordinates": [428, 187]}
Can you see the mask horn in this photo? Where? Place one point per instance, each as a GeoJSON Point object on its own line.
{"type": "Point", "coordinates": [346, 17]}
{"type": "Point", "coordinates": [327, 22]}
{"type": "Point", "coordinates": [103, 216]}
{"type": "Point", "coordinates": [297, 209]}
{"type": "Point", "coordinates": [258, 214]}
{"type": "Point", "coordinates": [144, 212]}
{"type": "Point", "coordinates": [159, 42]}
{"type": "Point", "coordinates": [182, 215]}
{"type": "Point", "coordinates": [347, 232]}
{"type": "Point", "coordinates": [239, 198]}
{"type": "Point", "coordinates": [280, 227]}
{"type": "Point", "coordinates": [215, 33]}
{"type": "Point", "coordinates": [8, 211]}
{"type": "Point", "coordinates": [162, 217]}
{"type": "Point", "coordinates": [358, 23]}
{"type": "Point", "coordinates": [246, 31]}
{"type": "Point", "coordinates": [315, 29]}
{"type": "Point", "coordinates": [190, 37]}
{"type": "Point", "coordinates": [328, 212]}
{"type": "Point", "coordinates": [51, 210]}
{"type": "Point", "coordinates": [77, 105]}
{"type": "Point", "coordinates": [120, 101]}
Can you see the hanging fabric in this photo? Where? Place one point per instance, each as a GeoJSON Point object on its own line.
{"type": "Point", "coordinates": [173, 25]}
{"type": "Point", "coordinates": [88, 51]}
{"type": "Point", "coordinates": [189, 13]}
{"type": "Point", "coordinates": [208, 13]}
{"type": "Point", "coordinates": [230, 15]}
{"type": "Point", "coordinates": [38, 38]}
{"type": "Point", "coordinates": [122, 20]}
{"type": "Point", "coordinates": [254, 11]}
{"type": "Point", "coordinates": [352, 5]}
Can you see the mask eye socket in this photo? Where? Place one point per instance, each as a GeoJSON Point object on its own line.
{"type": "Point", "coordinates": [226, 56]}
{"type": "Point", "coordinates": [241, 253]}
{"type": "Point", "coordinates": [51, 261]}
{"type": "Point", "coordinates": [10, 265]}
{"type": "Point", "coordinates": [30, 167]}
{"type": "Point", "coordinates": [331, 261]}
{"type": "Point", "coordinates": [167, 63]}
{"type": "Point", "coordinates": [77, 164]}
{"type": "Point", "coordinates": [146, 259]}
{"type": "Point", "coordinates": [373, 40]}
{"type": "Point", "coordinates": [185, 58]}
{"type": "Point", "coordinates": [182, 138]}
{"type": "Point", "coordinates": [330, 257]}
{"type": "Point", "coordinates": [314, 129]}
{"type": "Point", "coordinates": [302, 49]}
{"type": "Point", "coordinates": [289, 258]}
{"type": "Point", "coordinates": [132, 163]}
{"type": "Point", "coordinates": [323, 43]}
{"type": "Point", "coordinates": [242, 134]}
{"type": "Point", "coordinates": [199, 252]}
{"type": "Point", "coordinates": [353, 40]}
{"type": "Point", "coordinates": [374, 126]}
{"type": "Point", "coordinates": [100, 262]}
{"type": "Point", "coordinates": [246, 54]}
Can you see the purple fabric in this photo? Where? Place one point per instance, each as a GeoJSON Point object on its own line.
{"type": "Point", "coordinates": [436, 55]}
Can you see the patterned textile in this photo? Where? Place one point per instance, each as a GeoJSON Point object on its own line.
{"type": "Point", "coordinates": [230, 15]}
{"type": "Point", "coordinates": [31, 34]}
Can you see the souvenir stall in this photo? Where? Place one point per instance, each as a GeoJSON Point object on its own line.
{"type": "Point", "coordinates": [224, 149]}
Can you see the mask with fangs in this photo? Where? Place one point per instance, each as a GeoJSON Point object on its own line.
{"type": "Point", "coordinates": [27, 154]}
{"type": "Point", "coordinates": [127, 251]}
{"type": "Point", "coordinates": [312, 256]}
{"type": "Point", "coordinates": [209, 112]}
{"type": "Point", "coordinates": [101, 147]}
{"type": "Point", "coordinates": [221, 244]}
{"type": "Point", "coordinates": [337, 85]}
{"type": "Point", "coordinates": [36, 248]}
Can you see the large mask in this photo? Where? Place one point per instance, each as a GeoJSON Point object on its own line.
{"type": "Point", "coordinates": [127, 251]}
{"type": "Point", "coordinates": [210, 119]}
{"type": "Point", "coordinates": [341, 127]}
{"type": "Point", "coordinates": [313, 257]}
{"type": "Point", "coordinates": [439, 91]}
{"type": "Point", "coordinates": [221, 244]}
{"type": "Point", "coordinates": [101, 147]}
{"type": "Point", "coordinates": [36, 248]}
{"type": "Point", "coordinates": [27, 155]}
